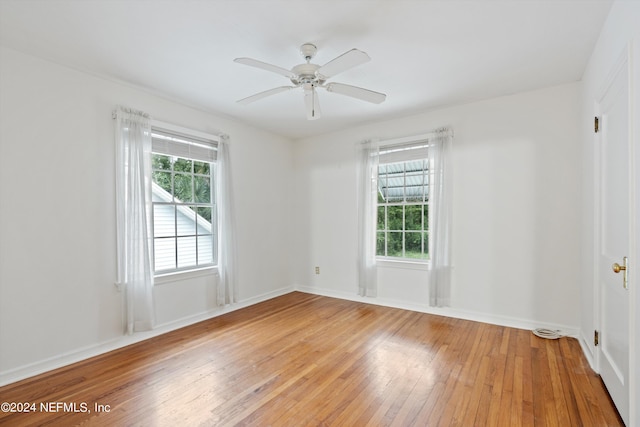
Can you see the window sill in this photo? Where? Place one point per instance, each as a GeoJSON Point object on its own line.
{"type": "Point", "coordinates": [184, 275]}
{"type": "Point", "coordinates": [405, 264]}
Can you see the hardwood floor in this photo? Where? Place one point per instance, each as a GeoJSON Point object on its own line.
{"type": "Point", "coordinates": [302, 359]}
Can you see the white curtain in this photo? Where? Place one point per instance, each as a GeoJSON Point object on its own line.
{"type": "Point", "coordinates": [441, 218]}
{"type": "Point", "coordinates": [368, 155]}
{"type": "Point", "coordinates": [133, 217]}
{"type": "Point", "coordinates": [227, 292]}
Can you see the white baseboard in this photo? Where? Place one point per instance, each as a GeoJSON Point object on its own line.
{"type": "Point", "coordinates": [59, 361]}
{"type": "Point", "coordinates": [511, 322]}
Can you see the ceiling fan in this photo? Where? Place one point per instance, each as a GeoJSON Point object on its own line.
{"type": "Point", "coordinates": [310, 76]}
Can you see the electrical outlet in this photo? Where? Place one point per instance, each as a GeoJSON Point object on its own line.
{"type": "Point", "coordinates": [317, 270]}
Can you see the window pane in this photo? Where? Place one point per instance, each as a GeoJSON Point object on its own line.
{"type": "Point", "coordinates": [414, 166]}
{"type": "Point", "coordinates": [164, 252]}
{"type": "Point", "coordinates": [394, 218]}
{"type": "Point", "coordinates": [205, 250]}
{"type": "Point", "coordinates": [183, 165]}
{"type": "Point", "coordinates": [380, 197]}
{"type": "Point", "coordinates": [202, 189]}
{"type": "Point", "coordinates": [414, 187]}
{"type": "Point", "coordinates": [426, 217]}
{"type": "Point", "coordinates": [413, 245]}
{"type": "Point", "coordinates": [380, 244]}
{"type": "Point", "coordinates": [413, 217]}
{"type": "Point", "coordinates": [382, 188]}
{"type": "Point", "coordinates": [394, 244]}
{"type": "Point", "coordinates": [425, 237]}
{"type": "Point", "coordinates": [204, 220]}
{"type": "Point", "coordinates": [183, 188]}
{"type": "Point", "coordinates": [212, 182]}
{"type": "Point", "coordinates": [164, 223]}
{"type": "Point", "coordinates": [163, 179]}
{"type": "Point", "coordinates": [395, 189]}
{"type": "Point", "coordinates": [201, 168]}
{"type": "Point", "coordinates": [186, 221]}
{"type": "Point", "coordinates": [381, 218]}
{"type": "Point", "coordinates": [156, 195]}
{"type": "Point", "coordinates": [186, 251]}
{"type": "Point", "coordinates": [160, 161]}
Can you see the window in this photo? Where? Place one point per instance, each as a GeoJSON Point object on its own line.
{"type": "Point", "coordinates": [183, 201]}
{"type": "Point", "coordinates": [403, 203]}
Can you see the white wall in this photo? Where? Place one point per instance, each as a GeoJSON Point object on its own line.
{"type": "Point", "coordinates": [620, 31]}
{"type": "Point", "coordinates": [516, 210]}
{"type": "Point", "coordinates": [57, 214]}
{"type": "Point", "coordinates": [523, 233]}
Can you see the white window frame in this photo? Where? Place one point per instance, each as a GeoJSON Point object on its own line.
{"type": "Point", "coordinates": [404, 150]}
{"type": "Point", "coordinates": [201, 141]}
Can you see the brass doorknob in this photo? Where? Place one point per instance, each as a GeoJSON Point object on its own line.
{"type": "Point", "coordinates": [617, 268]}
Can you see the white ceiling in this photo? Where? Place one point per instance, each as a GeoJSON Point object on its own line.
{"type": "Point", "coordinates": [425, 54]}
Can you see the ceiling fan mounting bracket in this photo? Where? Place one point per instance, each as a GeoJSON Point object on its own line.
{"type": "Point", "coordinates": [308, 51]}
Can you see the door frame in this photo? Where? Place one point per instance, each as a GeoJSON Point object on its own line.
{"type": "Point", "coordinates": [625, 59]}
{"type": "Point", "coordinates": [634, 256]}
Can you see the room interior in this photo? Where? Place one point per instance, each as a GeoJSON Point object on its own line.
{"type": "Point", "coordinates": [517, 82]}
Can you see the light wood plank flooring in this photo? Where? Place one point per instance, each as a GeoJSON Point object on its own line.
{"type": "Point", "coordinates": [306, 360]}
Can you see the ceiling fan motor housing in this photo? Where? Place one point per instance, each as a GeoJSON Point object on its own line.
{"type": "Point", "coordinates": [307, 73]}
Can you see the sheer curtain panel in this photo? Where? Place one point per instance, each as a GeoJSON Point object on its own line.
{"type": "Point", "coordinates": [133, 210]}
{"type": "Point", "coordinates": [441, 217]}
{"type": "Point", "coordinates": [367, 213]}
{"type": "Point", "coordinates": [227, 292]}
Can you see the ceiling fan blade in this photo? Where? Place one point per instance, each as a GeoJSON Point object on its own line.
{"type": "Point", "coordinates": [263, 65]}
{"type": "Point", "coordinates": [264, 94]}
{"type": "Point", "coordinates": [312, 103]}
{"type": "Point", "coordinates": [356, 92]}
{"type": "Point", "coordinates": [343, 62]}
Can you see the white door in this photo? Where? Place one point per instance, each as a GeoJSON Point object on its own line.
{"type": "Point", "coordinates": [614, 228]}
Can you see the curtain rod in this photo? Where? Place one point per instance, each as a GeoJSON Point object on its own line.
{"type": "Point", "coordinates": [413, 138]}
{"type": "Point", "coordinates": [217, 137]}
{"type": "Point", "coordinates": [114, 113]}
{"type": "Point", "coordinates": [185, 131]}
